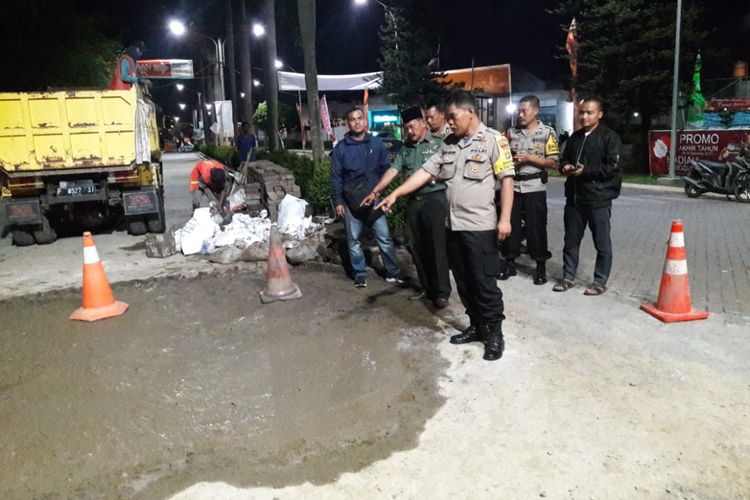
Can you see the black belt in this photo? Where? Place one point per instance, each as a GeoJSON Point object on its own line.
{"type": "Point", "coordinates": [528, 177]}
{"type": "Point", "coordinates": [421, 196]}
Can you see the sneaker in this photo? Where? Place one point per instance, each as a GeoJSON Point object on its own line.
{"type": "Point", "coordinates": [397, 279]}
{"type": "Point", "coordinates": [360, 281]}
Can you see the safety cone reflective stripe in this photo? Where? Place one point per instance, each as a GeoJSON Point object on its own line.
{"type": "Point", "coordinates": [673, 303]}
{"type": "Point", "coordinates": [98, 300]}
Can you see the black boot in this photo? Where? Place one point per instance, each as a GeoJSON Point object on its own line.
{"type": "Point", "coordinates": [472, 334]}
{"type": "Point", "coordinates": [495, 345]}
{"type": "Point", "coordinates": [540, 275]}
{"type": "Point", "coordinates": [510, 269]}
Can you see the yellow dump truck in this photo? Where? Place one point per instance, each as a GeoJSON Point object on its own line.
{"type": "Point", "coordinates": [79, 160]}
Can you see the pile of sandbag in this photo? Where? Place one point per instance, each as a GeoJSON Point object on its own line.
{"type": "Point", "coordinates": [246, 238]}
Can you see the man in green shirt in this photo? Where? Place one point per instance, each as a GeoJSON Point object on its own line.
{"type": "Point", "coordinates": [426, 209]}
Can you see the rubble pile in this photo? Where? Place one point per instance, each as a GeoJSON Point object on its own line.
{"type": "Point", "coordinates": [269, 183]}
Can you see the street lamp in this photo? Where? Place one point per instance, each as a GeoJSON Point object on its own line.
{"type": "Point", "coordinates": [258, 30]}
{"type": "Point", "coordinates": [256, 83]}
{"type": "Point", "coordinates": [242, 95]}
{"type": "Point", "coordinates": [208, 106]}
{"type": "Point", "coordinates": [179, 86]}
{"type": "Point", "coordinates": [178, 29]}
{"type": "Point", "coordinates": [278, 64]}
{"type": "Point", "coordinates": [177, 119]}
{"type": "Point", "coordinates": [182, 106]}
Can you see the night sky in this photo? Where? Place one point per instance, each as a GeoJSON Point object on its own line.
{"type": "Point", "coordinates": [485, 31]}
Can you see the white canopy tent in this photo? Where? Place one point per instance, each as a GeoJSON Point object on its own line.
{"type": "Point", "coordinates": [295, 82]}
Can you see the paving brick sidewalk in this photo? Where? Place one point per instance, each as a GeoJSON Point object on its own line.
{"type": "Point", "coordinates": [717, 234]}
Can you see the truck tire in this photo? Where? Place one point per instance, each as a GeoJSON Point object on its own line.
{"type": "Point", "coordinates": [137, 227]}
{"type": "Point", "coordinates": [46, 234]}
{"type": "Point", "coordinates": [22, 238]}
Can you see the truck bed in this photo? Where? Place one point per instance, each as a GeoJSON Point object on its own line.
{"type": "Point", "coordinates": [67, 130]}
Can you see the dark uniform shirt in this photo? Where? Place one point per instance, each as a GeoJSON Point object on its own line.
{"type": "Point", "coordinates": [412, 156]}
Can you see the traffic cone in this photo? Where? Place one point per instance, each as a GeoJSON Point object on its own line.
{"type": "Point", "coordinates": [98, 301]}
{"type": "Point", "coordinates": [279, 284]}
{"type": "Point", "coordinates": [673, 303]}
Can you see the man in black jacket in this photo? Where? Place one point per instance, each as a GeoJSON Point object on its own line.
{"type": "Point", "coordinates": [591, 162]}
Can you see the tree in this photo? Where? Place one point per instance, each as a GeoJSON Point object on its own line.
{"type": "Point", "coordinates": [245, 63]}
{"type": "Point", "coordinates": [626, 51]}
{"type": "Point", "coordinates": [404, 57]}
{"type": "Point", "coordinates": [306, 12]}
{"type": "Point", "coordinates": [272, 83]}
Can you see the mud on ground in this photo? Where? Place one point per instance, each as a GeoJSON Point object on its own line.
{"type": "Point", "coordinates": [200, 382]}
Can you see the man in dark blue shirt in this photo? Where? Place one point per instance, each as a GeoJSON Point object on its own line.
{"type": "Point", "coordinates": [357, 164]}
{"type": "Point", "coordinates": [246, 143]}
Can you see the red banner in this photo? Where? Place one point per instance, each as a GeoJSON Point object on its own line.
{"type": "Point", "coordinates": [165, 69]}
{"type": "Point", "coordinates": [712, 145]}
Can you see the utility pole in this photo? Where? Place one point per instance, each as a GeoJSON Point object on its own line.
{"type": "Point", "coordinates": [675, 82]}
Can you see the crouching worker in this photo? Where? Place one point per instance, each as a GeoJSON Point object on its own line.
{"type": "Point", "coordinates": [209, 178]}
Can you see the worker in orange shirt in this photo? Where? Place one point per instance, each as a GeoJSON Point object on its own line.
{"type": "Point", "coordinates": [209, 177]}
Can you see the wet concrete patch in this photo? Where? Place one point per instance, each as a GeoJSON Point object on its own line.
{"type": "Point", "coordinates": [200, 382]}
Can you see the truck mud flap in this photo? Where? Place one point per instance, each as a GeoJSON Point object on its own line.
{"type": "Point", "coordinates": [22, 212]}
{"type": "Point", "coordinates": [145, 201]}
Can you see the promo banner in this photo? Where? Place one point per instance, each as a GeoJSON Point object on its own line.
{"type": "Point", "coordinates": [181, 69]}
{"type": "Point", "coordinates": [711, 145]}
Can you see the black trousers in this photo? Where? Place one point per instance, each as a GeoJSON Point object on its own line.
{"type": "Point", "coordinates": [475, 262]}
{"type": "Point", "coordinates": [426, 215]}
{"type": "Point", "coordinates": [532, 209]}
{"type": "Point", "coordinates": [598, 219]}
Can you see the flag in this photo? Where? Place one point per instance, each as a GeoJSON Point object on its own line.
{"type": "Point", "coordinates": [325, 117]}
{"type": "Point", "coordinates": [697, 101]}
{"type": "Point", "coordinates": [366, 107]}
{"type": "Point", "coordinates": [571, 45]}
{"type": "Point", "coordinates": [302, 131]}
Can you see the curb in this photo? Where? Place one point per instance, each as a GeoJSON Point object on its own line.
{"type": "Point", "coordinates": [644, 187]}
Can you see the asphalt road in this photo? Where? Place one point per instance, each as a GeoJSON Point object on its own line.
{"type": "Point", "coordinates": [717, 236]}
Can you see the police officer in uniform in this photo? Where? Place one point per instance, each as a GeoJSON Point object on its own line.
{"type": "Point", "coordinates": [426, 210]}
{"type": "Point", "coordinates": [434, 115]}
{"type": "Point", "coordinates": [470, 161]}
{"type": "Point", "coordinates": [534, 147]}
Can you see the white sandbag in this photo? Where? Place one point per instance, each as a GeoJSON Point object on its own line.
{"type": "Point", "coordinates": [198, 232]}
{"type": "Point", "coordinates": [292, 220]}
{"type": "Point", "coordinates": [237, 198]}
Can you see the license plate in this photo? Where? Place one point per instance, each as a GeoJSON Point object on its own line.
{"type": "Point", "coordinates": [77, 190]}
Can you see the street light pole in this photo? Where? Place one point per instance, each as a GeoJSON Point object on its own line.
{"type": "Point", "coordinates": [673, 132]}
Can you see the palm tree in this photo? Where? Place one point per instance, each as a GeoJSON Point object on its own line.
{"type": "Point", "coordinates": [306, 14]}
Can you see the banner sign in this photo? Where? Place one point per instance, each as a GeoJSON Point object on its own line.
{"type": "Point", "coordinates": [711, 145]}
{"type": "Point", "coordinates": [489, 80]}
{"type": "Point", "coordinates": [729, 104]}
{"type": "Point", "coordinates": [154, 69]}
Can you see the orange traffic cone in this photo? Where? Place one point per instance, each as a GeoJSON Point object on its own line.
{"type": "Point", "coordinates": [98, 301]}
{"type": "Point", "coordinates": [673, 303]}
{"type": "Point", "coordinates": [279, 284]}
